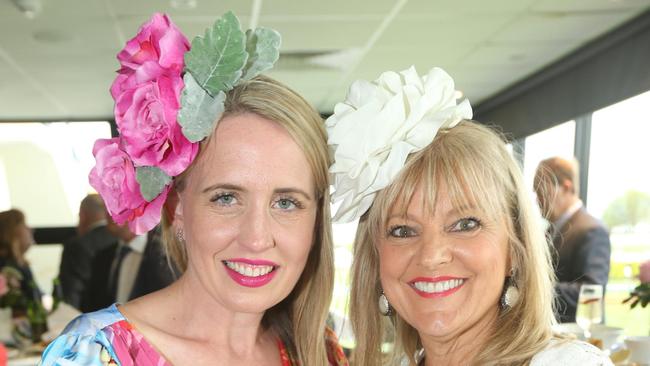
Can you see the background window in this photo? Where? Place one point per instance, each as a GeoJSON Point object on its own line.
{"type": "Point", "coordinates": [555, 141]}
{"type": "Point", "coordinates": [619, 194]}
{"type": "Point", "coordinates": [44, 172]}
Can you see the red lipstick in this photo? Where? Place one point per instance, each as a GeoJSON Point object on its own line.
{"type": "Point", "coordinates": [435, 280]}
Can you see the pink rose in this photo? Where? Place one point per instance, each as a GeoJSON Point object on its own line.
{"type": "Point", "coordinates": [158, 41]}
{"type": "Point", "coordinates": [146, 116]}
{"type": "Point", "coordinates": [644, 272]}
{"type": "Point", "coordinates": [4, 287]}
{"type": "Point", "coordinates": [147, 97]}
{"type": "Point", "coordinates": [114, 178]}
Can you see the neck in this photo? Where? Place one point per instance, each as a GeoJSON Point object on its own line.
{"type": "Point", "coordinates": [207, 320]}
{"type": "Point", "coordinates": [460, 348]}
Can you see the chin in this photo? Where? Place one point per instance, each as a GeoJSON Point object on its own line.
{"type": "Point", "coordinates": [438, 324]}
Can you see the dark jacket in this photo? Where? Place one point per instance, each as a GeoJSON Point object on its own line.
{"type": "Point", "coordinates": [582, 254]}
{"type": "Point", "coordinates": [75, 271]}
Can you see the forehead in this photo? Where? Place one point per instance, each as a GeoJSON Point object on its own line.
{"type": "Point", "coordinates": [248, 148]}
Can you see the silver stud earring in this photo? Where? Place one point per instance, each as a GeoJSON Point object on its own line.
{"type": "Point", "coordinates": [180, 235]}
{"type": "Point", "coordinates": [510, 294]}
{"type": "Point", "coordinates": [384, 306]}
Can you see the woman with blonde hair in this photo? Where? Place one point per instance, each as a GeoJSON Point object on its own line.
{"type": "Point", "coordinates": [447, 247]}
{"type": "Point", "coordinates": [242, 180]}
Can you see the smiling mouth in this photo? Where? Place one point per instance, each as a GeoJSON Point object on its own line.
{"type": "Point", "coordinates": [249, 270]}
{"type": "Point", "coordinates": [426, 287]}
{"type": "Point", "coordinates": [250, 273]}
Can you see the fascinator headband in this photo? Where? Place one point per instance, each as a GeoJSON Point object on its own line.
{"type": "Point", "coordinates": [168, 96]}
{"type": "Point", "coordinates": [379, 124]}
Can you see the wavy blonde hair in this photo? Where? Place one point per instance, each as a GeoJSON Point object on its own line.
{"type": "Point", "coordinates": [472, 161]}
{"type": "Point", "coordinates": [300, 318]}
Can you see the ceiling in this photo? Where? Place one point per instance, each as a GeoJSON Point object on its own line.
{"type": "Point", "coordinates": [59, 64]}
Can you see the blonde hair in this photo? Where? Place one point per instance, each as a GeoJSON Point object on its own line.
{"type": "Point", "coordinates": [473, 163]}
{"type": "Point", "coordinates": [300, 318]}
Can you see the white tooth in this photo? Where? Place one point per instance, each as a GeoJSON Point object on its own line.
{"type": "Point", "coordinates": [429, 287]}
{"type": "Point", "coordinates": [249, 271]}
{"type": "Point", "coordinates": [256, 272]}
{"type": "Point", "coordinates": [421, 286]}
{"type": "Point", "coordinates": [439, 287]}
{"type": "Point", "coordinates": [446, 285]}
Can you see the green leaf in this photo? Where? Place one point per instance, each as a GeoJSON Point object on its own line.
{"type": "Point", "coordinates": [199, 110]}
{"type": "Point", "coordinates": [217, 59]}
{"type": "Point", "coordinates": [263, 47]}
{"type": "Point", "coordinates": [152, 181]}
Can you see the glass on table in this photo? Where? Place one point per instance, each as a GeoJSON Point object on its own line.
{"type": "Point", "coordinates": [590, 307]}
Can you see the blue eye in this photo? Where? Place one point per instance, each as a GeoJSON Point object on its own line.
{"type": "Point", "coordinates": [401, 231]}
{"type": "Point", "coordinates": [466, 224]}
{"type": "Point", "coordinates": [224, 199]}
{"type": "Point", "coordinates": [286, 204]}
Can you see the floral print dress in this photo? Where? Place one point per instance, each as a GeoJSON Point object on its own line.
{"type": "Point", "coordinates": [106, 338]}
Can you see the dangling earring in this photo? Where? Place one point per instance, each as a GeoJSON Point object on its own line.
{"type": "Point", "coordinates": [384, 306]}
{"type": "Point", "coordinates": [510, 294]}
{"type": "Point", "coordinates": [180, 235]}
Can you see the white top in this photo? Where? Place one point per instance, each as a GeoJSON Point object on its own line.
{"type": "Point", "coordinates": [570, 353]}
{"type": "Point", "coordinates": [129, 268]}
{"type": "Point", "coordinates": [558, 353]}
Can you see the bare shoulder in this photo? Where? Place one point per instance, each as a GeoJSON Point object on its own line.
{"type": "Point", "coordinates": [570, 352]}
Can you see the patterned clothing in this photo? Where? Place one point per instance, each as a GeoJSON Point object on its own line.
{"type": "Point", "coordinates": [106, 338]}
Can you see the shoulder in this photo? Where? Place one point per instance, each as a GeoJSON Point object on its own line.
{"type": "Point", "coordinates": [83, 340]}
{"type": "Point", "coordinates": [566, 353]}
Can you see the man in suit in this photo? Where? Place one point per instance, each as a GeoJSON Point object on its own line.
{"type": "Point", "coordinates": [582, 247]}
{"type": "Point", "coordinates": [75, 271]}
{"type": "Point", "coordinates": [139, 265]}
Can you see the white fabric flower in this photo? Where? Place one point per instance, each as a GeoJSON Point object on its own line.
{"type": "Point", "coordinates": [379, 125]}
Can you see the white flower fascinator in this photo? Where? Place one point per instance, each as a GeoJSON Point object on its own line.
{"type": "Point", "coordinates": [379, 124]}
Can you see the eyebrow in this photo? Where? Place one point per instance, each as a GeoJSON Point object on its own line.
{"type": "Point", "coordinates": [234, 187]}
{"type": "Point", "coordinates": [450, 212]}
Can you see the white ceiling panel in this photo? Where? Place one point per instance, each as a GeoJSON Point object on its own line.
{"type": "Point", "coordinates": [61, 63]}
{"type": "Point", "coordinates": [589, 5]}
{"type": "Point", "coordinates": [558, 27]}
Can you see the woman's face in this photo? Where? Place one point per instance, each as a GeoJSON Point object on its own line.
{"type": "Point", "coordinates": [442, 272]}
{"type": "Point", "coordinates": [248, 213]}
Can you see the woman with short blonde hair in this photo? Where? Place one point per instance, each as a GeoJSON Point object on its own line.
{"type": "Point", "coordinates": [447, 248]}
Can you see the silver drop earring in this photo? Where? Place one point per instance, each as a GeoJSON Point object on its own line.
{"type": "Point", "coordinates": [384, 306]}
{"type": "Point", "coordinates": [510, 294]}
{"type": "Point", "coordinates": [180, 235]}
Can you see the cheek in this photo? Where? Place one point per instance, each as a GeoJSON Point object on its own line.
{"type": "Point", "coordinates": [393, 263]}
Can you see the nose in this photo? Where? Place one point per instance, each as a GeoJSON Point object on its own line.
{"type": "Point", "coordinates": [434, 251]}
{"type": "Point", "coordinates": [255, 232]}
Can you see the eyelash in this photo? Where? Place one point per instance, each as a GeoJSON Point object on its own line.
{"type": "Point", "coordinates": [221, 195]}
{"type": "Point", "coordinates": [469, 218]}
{"type": "Point", "coordinates": [217, 197]}
{"type": "Point", "coordinates": [392, 229]}
{"type": "Point", "coordinates": [411, 232]}
{"type": "Point", "coordinates": [294, 201]}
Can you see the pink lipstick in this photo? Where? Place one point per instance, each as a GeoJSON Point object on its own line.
{"type": "Point", "coordinates": [250, 272]}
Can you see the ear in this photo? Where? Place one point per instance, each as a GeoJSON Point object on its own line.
{"type": "Point", "coordinates": [172, 209]}
{"type": "Point", "coordinates": [567, 186]}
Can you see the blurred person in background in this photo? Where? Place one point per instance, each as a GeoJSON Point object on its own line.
{"type": "Point", "coordinates": [15, 239]}
{"type": "Point", "coordinates": [582, 246]}
{"type": "Point", "coordinates": [76, 269]}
